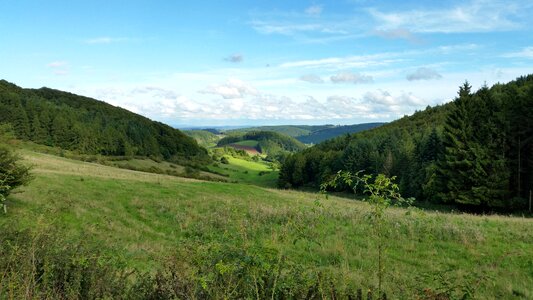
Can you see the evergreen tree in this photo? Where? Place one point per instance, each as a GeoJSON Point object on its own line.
{"type": "Point", "coordinates": [38, 133]}
{"type": "Point", "coordinates": [457, 165]}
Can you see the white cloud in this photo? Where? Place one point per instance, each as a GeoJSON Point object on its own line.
{"type": "Point", "coordinates": [59, 68]}
{"type": "Point", "coordinates": [311, 78]}
{"type": "Point", "coordinates": [526, 52]}
{"type": "Point", "coordinates": [166, 103]}
{"type": "Point", "coordinates": [383, 101]}
{"type": "Point", "coordinates": [105, 40]}
{"type": "Point", "coordinates": [232, 89]}
{"type": "Point", "coordinates": [57, 64]}
{"type": "Point", "coordinates": [284, 28]}
{"type": "Point", "coordinates": [349, 77]}
{"type": "Point", "coordinates": [476, 16]}
{"type": "Point", "coordinates": [314, 10]}
{"type": "Point", "coordinates": [360, 61]}
{"type": "Point", "coordinates": [423, 74]}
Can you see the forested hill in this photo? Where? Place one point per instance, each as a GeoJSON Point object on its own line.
{"type": "Point", "coordinates": [78, 123]}
{"type": "Point", "coordinates": [205, 138]}
{"type": "Point", "coordinates": [321, 135]}
{"type": "Point", "coordinates": [475, 151]}
{"type": "Point", "coordinates": [310, 134]}
{"type": "Point", "coordinates": [269, 142]}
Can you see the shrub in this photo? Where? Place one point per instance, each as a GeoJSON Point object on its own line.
{"type": "Point", "coordinates": [12, 174]}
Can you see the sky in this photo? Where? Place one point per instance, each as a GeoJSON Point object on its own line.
{"type": "Point", "coordinates": [216, 63]}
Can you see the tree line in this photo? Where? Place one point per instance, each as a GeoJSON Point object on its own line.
{"type": "Point", "coordinates": [72, 122]}
{"type": "Point", "coordinates": [475, 151]}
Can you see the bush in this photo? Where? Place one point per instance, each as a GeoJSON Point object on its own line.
{"type": "Point", "coordinates": [12, 174]}
{"type": "Point", "coordinates": [224, 160]}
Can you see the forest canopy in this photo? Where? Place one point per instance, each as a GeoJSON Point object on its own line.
{"type": "Point", "coordinates": [72, 122]}
{"type": "Point", "coordinates": [475, 151]}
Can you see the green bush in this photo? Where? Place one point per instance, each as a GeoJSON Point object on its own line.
{"type": "Point", "coordinates": [12, 174]}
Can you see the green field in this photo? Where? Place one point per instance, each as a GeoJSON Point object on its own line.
{"type": "Point", "coordinates": [143, 217]}
{"type": "Point", "coordinates": [249, 143]}
{"type": "Point", "coordinates": [246, 171]}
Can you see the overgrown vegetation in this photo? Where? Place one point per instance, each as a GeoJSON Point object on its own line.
{"type": "Point", "coordinates": [381, 192]}
{"type": "Point", "coordinates": [215, 240]}
{"type": "Point", "coordinates": [12, 173]}
{"type": "Point", "coordinates": [476, 152]}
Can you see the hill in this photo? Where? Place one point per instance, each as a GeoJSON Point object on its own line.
{"type": "Point", "coordinates": [475, 152]}
{"type": "Point", "coordinates": [205, 138]}
{"type": "Point", "coordinates": [102, 232]}
{"type": "Point", "coordinates": [290, 130]}
{"type": "Point", "coordinates": [320, 135]}
{"type": "Point", "coordinates": [267, 142]}
{"type": "Point", "coordinates": [72, 122]}
{"type": "Point", "coordinates": [309, 134]}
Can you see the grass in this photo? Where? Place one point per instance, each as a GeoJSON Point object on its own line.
{"type": "Point", "coordinates": [245, 171]}
{"type": "Point", "coordinates": [249, 143]}
{"type": "Point", "coordinates": [142, 217]}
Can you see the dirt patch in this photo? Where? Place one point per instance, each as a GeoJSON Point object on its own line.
{"type": "Point", "coordinates": [250, 150]}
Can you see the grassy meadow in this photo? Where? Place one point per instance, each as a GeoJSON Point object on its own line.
{"type": "Point", "coordinates": [213, 228]}
{"type": "Point", "coordinates": [247, 171]}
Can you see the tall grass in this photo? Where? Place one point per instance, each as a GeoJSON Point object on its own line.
{"type": "Point", "coordinates": [125, 234]}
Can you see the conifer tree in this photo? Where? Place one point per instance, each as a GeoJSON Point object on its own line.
{"type": "Point", "coordinates": [457, 165]}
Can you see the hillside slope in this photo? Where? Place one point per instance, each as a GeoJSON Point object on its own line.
{"type": "Point", "coordinates": [204, 138]}
{"type": "Point", "coordinates": [73, 122]}
{"type": "Point", "coordinates": [218, 237]}
{"type": "Point", "coordinates": [476, 151]}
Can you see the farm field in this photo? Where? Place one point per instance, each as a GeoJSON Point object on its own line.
{"type": "Point", "coordinates": [143, 218]}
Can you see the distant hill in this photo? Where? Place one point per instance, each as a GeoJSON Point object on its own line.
{"type": "Point", "coordinates": [205, 138]}
{"type": "Point", "coordinates": [268, 142]}
{"type": "Point", "coordinates": [290, 130]}
{"type": "Point", "coordinates": [310, 134]}
{"type": "Point", "coordinates": [68, 121]}
{"type": "Point", "coordinates": [321, 135]}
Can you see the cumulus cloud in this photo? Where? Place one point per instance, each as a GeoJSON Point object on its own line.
{"type": "Point", "coordinates": [349, 77]}
{"type": "Point", "coordinates": [384, 100]}
{"type": "Point", "coordinates": [231, 89]}
{"type": "Point", "coordinates": [314, 10]}
{"type": "Point", "coordinates": [165, 103]}
{"type": "Point", "coordinates": [235, 58]}
{"type": "Point", "coordinates": [423, 74]}
{"type": "Point", "coordinates": [312, 78]}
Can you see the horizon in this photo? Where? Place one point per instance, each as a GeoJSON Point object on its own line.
{"type": "Point", "coordinates": [266, 63]}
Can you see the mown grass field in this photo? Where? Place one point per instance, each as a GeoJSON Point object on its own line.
{"type": "Point", "coordinates": [144, 217]}
{"type": "Point", "coordinates": [246, 171]}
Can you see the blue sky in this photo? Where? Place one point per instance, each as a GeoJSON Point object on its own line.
{"type": "Point", "coordinates": [205, 63]}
